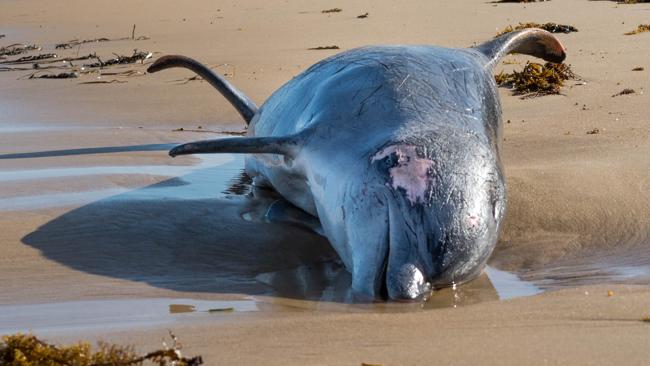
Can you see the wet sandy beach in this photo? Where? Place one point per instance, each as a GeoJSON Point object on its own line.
{"type": "Point", "coordinates": [103, 236]}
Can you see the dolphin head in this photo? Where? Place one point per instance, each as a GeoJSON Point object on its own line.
{"type": "Point", "coordinates": [420, 214]}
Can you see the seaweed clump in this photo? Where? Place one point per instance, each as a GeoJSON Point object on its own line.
{"type": "Point", "coordinates": [639, 29]}
{"type": "Point", "coordinates": [27, 350]}
{"type": "Point", "coordinates": [551, 27]}
{"type": "Point", "coordinates": [625, 91]}
{"type": "Point", "coordinates": [121, 60]}
{"type": "Point", "coordinates": [536, 79]}
{"type": "Point", "coordinates": [333, 47]}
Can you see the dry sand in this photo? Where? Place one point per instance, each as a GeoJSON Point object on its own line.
{"type": "Point", "coordinates": [91, 208]}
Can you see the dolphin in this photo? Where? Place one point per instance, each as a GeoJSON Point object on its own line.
{"type": "Point", "coordinates": [394, 150]}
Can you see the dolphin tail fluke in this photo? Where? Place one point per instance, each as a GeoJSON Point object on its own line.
{"type": "Point", "coordinates": [287, 146]}
{"type": "Point", "coordinates": [533, 41]}
{"type": "Point", "coordinates": [241, 102]}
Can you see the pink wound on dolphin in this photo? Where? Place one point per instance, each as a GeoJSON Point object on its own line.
{"type": "Point", "coordinates": [412, 172]}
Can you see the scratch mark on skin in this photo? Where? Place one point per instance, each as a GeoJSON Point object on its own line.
{"type": "Point", "coordinates": [411, 173]}
{"type": "Point", "coordinates": [363, 102]}
{"type": "Point", "coordinates": [403, 81]}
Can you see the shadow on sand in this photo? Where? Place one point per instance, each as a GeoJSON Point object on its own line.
{"type": "Point", "coordinates": [182, 235]}
{"type": "Point", "coordinates": [88, 151]}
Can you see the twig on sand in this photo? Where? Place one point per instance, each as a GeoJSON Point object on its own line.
{"type": "Point", "coordinates": [30, 59]}
{"type": "Point", "coordinates": [104, 82]}
{"type": "Point", "coordinates": [76, 42]}
{"type": "Point", "coordinates": [333, 10]}
{"type": "Point", "coordinates": [187, 80]}
{"type": "Point", "coordinates": [5, 68]}
{"type": "Point", "coordinates": [201, 129]}
{"type": "Point", "coordinates": [128, 73]}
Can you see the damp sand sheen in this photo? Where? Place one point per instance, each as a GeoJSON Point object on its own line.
{"type": "Point", "coordinates": [103, 236]}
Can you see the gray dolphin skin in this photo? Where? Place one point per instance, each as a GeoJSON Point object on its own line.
{"type": "Point", "coordinates": [394, 149]}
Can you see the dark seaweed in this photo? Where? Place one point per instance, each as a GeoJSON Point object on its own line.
{"type": "Point", "coordinates": [121, 60]}
{"type": "Point", "coordinates": [333, 47]}
{"type": "Point", "coordinates": [30, 59]}
{"type": "Point", "coordinates": [76, 42]}
{"type": "Point", "coordinates": [17, 49]}
{"type": "Point", "coordinates": [625, 91]}
{"type": "Point", "coordinates": [551, 27]}
{"type": "Point", "coordinates": [63, 75]}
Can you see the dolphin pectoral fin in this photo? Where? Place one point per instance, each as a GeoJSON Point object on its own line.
{"type": "Point", "coordinates": [239, 100]}
{"type": "Point", "coordinates": [287, 146]}
{"type": "Point", "coordinates": [533, 41]}
{"type": "Point", "coordinates": [281, 211]}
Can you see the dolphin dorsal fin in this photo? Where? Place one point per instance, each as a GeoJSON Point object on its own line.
{"type": "Point", "coordinates": [285, 145]}
{"type": "Point", "coordinates": [532, 41]}
{"type": "Point", "coordinates": [246, 107]}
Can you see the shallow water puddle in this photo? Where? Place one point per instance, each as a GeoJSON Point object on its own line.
{"type": "Point", "coordinates": [326, 287]}
{"type": "Point", "coordinates": [4, 129]}
{"type": "Point", "coordinates": [509, 285]}
{"type": "Point", "coordinates": [627, 266]}
{"type": "Point", "coordinates": [206, 161]}
{"type": "Point", "coordinates": [109, 315]}
{"type": "Point", "coordinates": [112, 314]}
{"type": "Point", "coordinates": [208, 179]}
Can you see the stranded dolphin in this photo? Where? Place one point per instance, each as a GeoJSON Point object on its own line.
{"type": "Point", "coordinates": [394, 149]}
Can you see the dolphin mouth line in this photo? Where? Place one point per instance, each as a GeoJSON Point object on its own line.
{"type": "Point", "coordinates": [383, 288]}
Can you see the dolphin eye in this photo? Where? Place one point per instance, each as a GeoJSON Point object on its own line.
{"type": "Point", "coordinates": [390, 161]}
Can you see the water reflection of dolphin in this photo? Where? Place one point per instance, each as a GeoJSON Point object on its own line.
{"type": "Point", "coordinates": [393, 149]}
{"type": "Point", "coordinates": [327, 286]}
